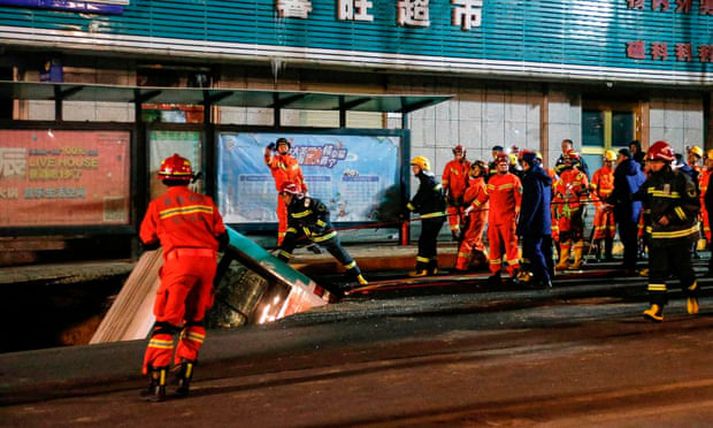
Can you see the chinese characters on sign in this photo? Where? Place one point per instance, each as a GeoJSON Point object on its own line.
{"type": "Point", "coordinates": [682, 6]}
{"type": "Point", "coordinates": [324, 156]}
{"type": "Point", "coordinates": [354, 10]}
{"type": "Point", "coordinates": [413, 13]}
{"type": "Point", "coordinates": [293, 8]}
{"type": "Point", "coordinates": [659, 51]}
{"type": "Point", "coordinates": [64, 178]}
{"type": "Point", "coordinates": [466, 14]}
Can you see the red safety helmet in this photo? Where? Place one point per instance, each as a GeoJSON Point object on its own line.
{"type": "Point", "coordinates": [502, 157]}
{"type": "Point", "coordinates": [662, 151]}
{"type": "Point", "coordinates": [176, 167]}
{"type": "Point", "coordinates": [572, 155]}
{"type": "Point", "coordinates": [290, 188]}
{"type": "Point", "coordinates": [458, 148]}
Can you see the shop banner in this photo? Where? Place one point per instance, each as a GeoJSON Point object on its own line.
{"type": "Point", "coordinates": [64, 178]}
{"type": "Point", "coordinates": [352, 174]}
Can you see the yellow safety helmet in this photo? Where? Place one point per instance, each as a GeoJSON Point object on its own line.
{"type": "Point", "coordinates": [538, 156]}
{"type": "Point", "coordinates": [513, 158]}
{"type": "Point", "coordinates": [709, 154]}
{"type": "Point", "coordinates": [696, 151]}
{"type": "Point", "coordinates": [609, 155]}
{"type": "Point", "coordinates": [421, 162]}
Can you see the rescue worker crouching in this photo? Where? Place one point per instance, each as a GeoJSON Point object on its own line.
{"type": "Point", "coordinates": [309, 218]}
{"type": "Point", "coordinates": [672, 200]}
{"type": "Point", "coordinates": [430, 204]}
{"type": "Point", "coordinates": [190, 229]}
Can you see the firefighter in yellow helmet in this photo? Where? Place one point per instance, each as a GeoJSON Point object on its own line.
{"type": "Point", "coordinates": [601, 186]}
{"type": "Point", "coordinates": [430, 203]}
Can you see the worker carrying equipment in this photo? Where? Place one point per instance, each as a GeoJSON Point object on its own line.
{"type": "Point", "coordinates": [190, 229]}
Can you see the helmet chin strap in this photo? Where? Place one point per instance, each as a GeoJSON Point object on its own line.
{"type": "Point", "coordinates": [197, 176]}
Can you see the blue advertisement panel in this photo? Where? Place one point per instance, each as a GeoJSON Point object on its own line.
{"type": "Point", "coordinates": [352, 174]}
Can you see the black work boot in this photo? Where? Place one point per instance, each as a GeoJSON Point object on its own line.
{"type": "Point", "coordinates": [185, 374]}
{"type": "Point", "coordinates": [156, 391]}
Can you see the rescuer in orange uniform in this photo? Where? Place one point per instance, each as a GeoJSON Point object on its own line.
{"type": "Point", "coordinates": [285, 169]}
{"type": "Point", "coordinates": [602, 186]}
{"type": "Point", "coordinates": [471, 246]}
{"type": "Point", "coordinates": [703, 180]}
{"type": "Point", "coordinates": [568, 193]}
{"type": "Point", "coordinates": [190, 229]}
{"type": "Point", "coordinates": [504, 192]}
{"type": "Point", "coordinates": [454, 180]}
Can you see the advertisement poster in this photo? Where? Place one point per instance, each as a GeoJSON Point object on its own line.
{"type": "Point", "coordinates": [351, 174]}
{"type": "Point", "coordinates": [164, 144]}
{"type": "Point", "coordinates": [64, 178]}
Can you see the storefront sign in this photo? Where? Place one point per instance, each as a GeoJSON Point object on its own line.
{"type": "Point", "coordinates": [94, 6]}
{"type": "Point", "coordinates": [63, 178]}
{"type": "Point", "coordinates": [349, 173]}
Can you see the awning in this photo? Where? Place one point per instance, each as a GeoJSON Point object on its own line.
{"type": "Point", "coordinates": [219, 97]}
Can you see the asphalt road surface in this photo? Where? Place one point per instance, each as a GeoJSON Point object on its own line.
{"type": "Point", "coordinates": [451, 355]}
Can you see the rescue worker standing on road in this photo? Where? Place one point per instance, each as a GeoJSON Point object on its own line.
{"type": "Point", "coordinates": [284, 168]}
{"type": "Point", "coordinates": [190, 229]}
{"type": "Point", "coordinates": [504, 192]}
{"type": "Point", "coordinates": [430, 204]}
{"type": "Point", "coordinates": [569, 191]}
{"type": "Point", "coordinates": [604, 225]}
{"type": "Point", "coordinates": [309, 218]}
{"type": "Point", "coordinates": [471, 246]}
{"type": "Point", "coordinates": [703, 180]}
{"type": "Point", "coordinates": [454, 180]}
{"type": "Point", "coordinates": [672, 199]}
{"type": "Point", "coordinates": [535, 221]}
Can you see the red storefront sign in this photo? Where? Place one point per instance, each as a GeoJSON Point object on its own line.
{"type": "Point", "coordinates": [64, 178]}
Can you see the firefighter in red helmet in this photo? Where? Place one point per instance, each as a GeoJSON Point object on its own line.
{"type": "Point", "coordinates": [190, 229]}
{"type": "Point", "coordinates": [671, 198]}
{"type": "Point", "coordinates": [504, 192]}
{"type": "Point", "coordinates": [569, 191]}
{"type": "Point", "coordinates": [454, 181]}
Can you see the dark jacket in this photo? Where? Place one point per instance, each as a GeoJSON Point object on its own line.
{"type": "Point", "coordinates": [628, 178]}
{"type": "Point", "coordinates": [673, 195]}
{"type": "Point", "coordinates": [560, 166]}
{"type": "Point", "coordinates": [311, 217]}
{"type": "Point", "coordinates": [429, 198]}
{"type": "Point", "coordinates": [535, 217]}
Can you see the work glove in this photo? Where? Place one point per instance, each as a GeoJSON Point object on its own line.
{"type": "Point", "coordinates": [271, 146]}
{"type": "Point", "coordinates": [469, 210]}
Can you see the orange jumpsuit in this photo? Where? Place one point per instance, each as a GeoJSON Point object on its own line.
{"type": "Point", "coordinates": [602, 185]}
{"type": "Point", "coordinates": [284, 168]}
{"type": "Point", "coordinates": [187, 225]}
{"type": "Point", "coordinates": [504, 191]}
{"type": "Point", "coordinates": [568, 192]}
{"type": "Point", "coordinates": [454, 181]}
{"type": "Point", "coordinates": [703, 177]}
{"type": "Point", "coordinates": [473, 237]}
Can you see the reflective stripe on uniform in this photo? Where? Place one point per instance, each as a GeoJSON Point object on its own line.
{"type": "Point", "coordinates": [324, 237]}
{"type": "Point", "coordinates": [161, 344]}
{"type": "Point", "coordinates": [187, 210]}
{"type": "Point", "coordinates": [301, 214]}
{"type": "Point", "coordinates": [350, 265]}
{"type": "Point", "coordinates": [661, 194]}
{"type": "Point", "coordinates": [675, 234]}
{"type": "Point", "coordinates": [422, 259]}
{"type": "Point", "coordinates": [680, 213]}
{"type": "Point", "coordinates": [656, 287]}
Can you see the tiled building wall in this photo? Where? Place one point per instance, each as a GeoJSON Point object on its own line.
{"type": "Point", "coordinates": [678, 121]}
